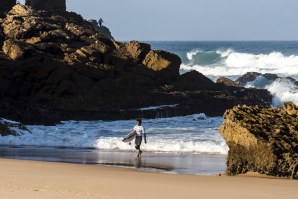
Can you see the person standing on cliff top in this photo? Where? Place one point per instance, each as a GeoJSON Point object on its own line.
{"type": "Point", "coordinates": [100, 22]}
{"type": "Point", "coordinates": [140, 133]}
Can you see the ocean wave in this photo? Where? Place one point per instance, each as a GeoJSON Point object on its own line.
{"type": "Point", "coordinates": [166, 145]}
{"type": "Point", "coordinates": [232, 63]}
{"type": "Point", "coordinates": [282, 89]}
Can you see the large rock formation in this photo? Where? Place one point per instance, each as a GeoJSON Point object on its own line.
{"type": "Point", "coordinates": [49, 5]}
{"type": "Point", "coordinates": [56, 66]}
{"type": "Point", "coordinates": [6, 5]}
{"type": "Point", "coordinates": [262, 140]}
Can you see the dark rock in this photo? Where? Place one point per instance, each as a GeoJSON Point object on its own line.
{"type": "Point", "coordinates": [252, 76]}
{"type": "Point", "coordinates": [48, 5]}
{"type": "Point", "coordinates": [6, 5]}
{"type": "Point", "coordinates": [226, 82]}
{"type": "Point", "coordinates": [262, 140]}
{"type": "Point", "coordinates": [12, 128]}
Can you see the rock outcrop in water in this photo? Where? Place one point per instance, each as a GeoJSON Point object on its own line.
{"type": "Point", "coordinates": [252, 76]}
{"type": "Point", "coordinates": [56, 66]}
{"type": "Point", "coordinates": [12, 128]}
{"type": "Point", "coordinates": [262, 140]}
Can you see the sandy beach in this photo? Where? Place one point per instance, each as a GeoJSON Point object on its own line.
{"type": "Point", "coordinates": [30, 179]}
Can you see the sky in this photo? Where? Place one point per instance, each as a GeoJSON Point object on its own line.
{"type": "Point", "coordinates": [193, 20]}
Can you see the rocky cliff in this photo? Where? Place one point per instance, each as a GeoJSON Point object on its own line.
{"type": "Point", "coordinates": [56, 66]}
{"type": "Point", "coordinates": [262, 140]}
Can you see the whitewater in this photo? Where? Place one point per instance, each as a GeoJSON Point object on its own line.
{"type": "Point", "coordinates": [195, 134]}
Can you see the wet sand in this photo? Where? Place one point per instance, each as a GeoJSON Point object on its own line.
{"type": "Point", "coordinates": [199, 164]}
{"type": "Point", "coordinates": [47, 180]}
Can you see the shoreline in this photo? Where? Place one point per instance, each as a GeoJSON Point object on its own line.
{"type": "Point", "coordinates": [199, 164]}
{"type": "Point", "coordinates": [31, 179]}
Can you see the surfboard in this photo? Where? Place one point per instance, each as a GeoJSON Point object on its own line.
{"type": "Point", "coordinates": [130, 136]}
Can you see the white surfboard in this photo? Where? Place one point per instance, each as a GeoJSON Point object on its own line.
{"type": "Point", "coordinates": [132, 135]}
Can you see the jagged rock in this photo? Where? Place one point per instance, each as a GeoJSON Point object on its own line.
{"type": "Point", "coordinates": [48, 5]}
{"type": "Point", "coordinates": [12, 128]}
{"type": "Point", "coordinates": [291, 109]}
{"type": "Point", "coordinates": [103, 30]}
{"type": "Point", "coordinates": [227, 82]}
{"type": "Point", "coordinates": [56, 66]}
{"type": "Point", "coordinates": [138, 50]}
{"type": "Point", "coordinates": [252, 76]}
{"type": "Point", "coordinates": [262, 140]}
{"type": "Point", "coordinates": [167, 64]}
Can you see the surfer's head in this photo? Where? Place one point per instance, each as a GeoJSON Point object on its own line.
{"type": "Point", "coordinates": [139, 122]}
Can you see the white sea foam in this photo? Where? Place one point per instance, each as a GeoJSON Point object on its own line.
{"type": "Point", "coordinates": [236, 63]}
{"type": "Point", "coordinates": [189, 134]}
{"type": "Point", "coordinates": [283, 90]}
{"type": "Point", "coordinates": [190, 55]}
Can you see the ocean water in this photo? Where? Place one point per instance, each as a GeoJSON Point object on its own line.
{"type": "Point", "coordinates": [233, 59]}
{"type": "Point", "coordinates": [189, 144]}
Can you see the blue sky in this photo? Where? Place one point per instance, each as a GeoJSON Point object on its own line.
{"type": "Point", "coordinates": [194, 19]}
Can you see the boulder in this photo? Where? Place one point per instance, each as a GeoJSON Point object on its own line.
{"type": "Point", "coordinates": [138, 50]}
{"type": "Point", "coordinates": [166, 64]}
{"type": "Point", "coordinates": [15, 50]}
{"type": "Point", "coordinates": [226, 82]}
{"type": "Point", "coordinates": [291, 109]}
{"type": "Point", "coordinates": [8, 127]}
{"type": "Point", "coordinates": [263, 140]}
{"type": "Point", "coordinates": [252, 76]}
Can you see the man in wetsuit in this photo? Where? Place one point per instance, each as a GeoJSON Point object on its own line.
{"type": "Point", "coordinates": [140, 133]}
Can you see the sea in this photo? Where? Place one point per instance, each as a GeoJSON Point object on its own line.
{"type": "Point", "coordinates": [179, 145]}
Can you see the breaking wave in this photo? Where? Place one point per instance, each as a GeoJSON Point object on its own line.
{"type": "Point", "coordinates": [189, 134]}
{"type": "Point", "coordinates": [231, 63]}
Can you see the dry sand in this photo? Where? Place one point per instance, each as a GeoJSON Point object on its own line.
{"type": "Point", "coordinates": [44, 180]}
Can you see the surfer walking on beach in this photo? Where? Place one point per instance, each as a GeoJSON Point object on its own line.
{"type": "Point", "coordinates": [140, 131]}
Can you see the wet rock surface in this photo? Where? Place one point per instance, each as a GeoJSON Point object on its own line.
{"type": "Point", "coordinates": [263, 140]}
{"type": "Point", "coordinates": [252, 76]}
{"type": "Point", "coordinates": [56, 66]}
{"type": "Point", "coordinates": [12, 128]}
